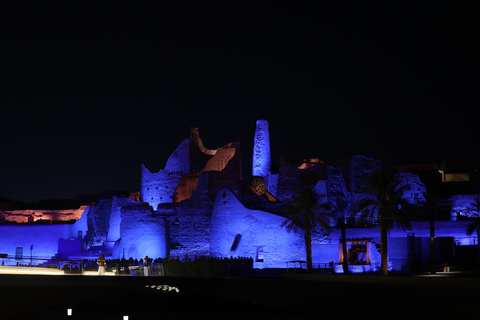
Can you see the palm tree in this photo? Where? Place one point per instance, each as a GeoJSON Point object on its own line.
{"type": "Point", "coordinates": [341, 210]}
{"type": "Point", "coordinates": [431, 204]}
{"type": "Point", "coordinates": [384, 201]}
{"type": "Point", "coordinates": [305, 212]}
{"type": "Point", "coordinates": [475, 224]}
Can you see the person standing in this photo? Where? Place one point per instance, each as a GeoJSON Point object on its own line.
{"type": "Point", "coordinates": [146, 266]}
{"type": "Point", "coordinates": [102, 265]}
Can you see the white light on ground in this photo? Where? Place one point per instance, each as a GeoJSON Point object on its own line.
{"type": "Point", "coordinates": [69, 312]}
{"type": "Point", "coordinates": [165, 287]}
{"type": "Point", "coordinates": [125, 317]}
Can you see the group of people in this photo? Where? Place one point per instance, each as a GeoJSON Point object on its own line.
{"type": "Point", "coordinates": [146, 264]}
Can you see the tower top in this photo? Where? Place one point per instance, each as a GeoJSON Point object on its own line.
{"type": "Point", "coordinates": [261, 150]}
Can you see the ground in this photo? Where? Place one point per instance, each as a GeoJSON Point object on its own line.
{"type": "Point", "coordinates": [260, 297]}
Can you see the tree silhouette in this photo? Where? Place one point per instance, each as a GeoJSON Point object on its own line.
{"type": "Point", "coordinates": [306, 212]}
{"type": "Point", "coordinates": [340, 211]}
{"type": "Point", "coordinates": [384, 201]}
{"type": "Point", "coordinates": [475, 224]}
{"type": "Point", "coordinates": [431, 204]}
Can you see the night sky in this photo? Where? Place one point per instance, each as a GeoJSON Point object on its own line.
{"type": "Point", "coordinates": [90, 92]}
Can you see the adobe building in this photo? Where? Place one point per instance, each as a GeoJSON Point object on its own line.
{"type": "Point", "coordinates": [200, 205]}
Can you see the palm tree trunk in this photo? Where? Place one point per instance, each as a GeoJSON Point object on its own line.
{"type": "Point", "coordinates": [478, 243]}
{"type": "Point", "coordinates": [383, 244]}
{"type": "Point", "coordinates": [433, 264]}
{"type": "Point", "coordinates": [308, 245]}
{"type": "Point", "coordinates": [344, 248]}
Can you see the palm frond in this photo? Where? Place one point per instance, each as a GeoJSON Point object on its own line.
{"type": "Point", "coordinates": [307, 208]}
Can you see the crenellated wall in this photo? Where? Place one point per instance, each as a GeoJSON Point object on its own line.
{"type": "Point", "coordinates": [156, 188]}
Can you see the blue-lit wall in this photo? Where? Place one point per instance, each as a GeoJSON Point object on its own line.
{"type": "Point", "coordinates": [142, 234]}
{"type": "Point", "coordinates": [238, 231]}
{"type": "Point", "coordinates": [261, 151]}
{"type": "Point", "coordinates": [43, 237]}
{"type": "Point", "coordinates": [398, 245]}
{"type": "Point", "coordinates": [159, 187]}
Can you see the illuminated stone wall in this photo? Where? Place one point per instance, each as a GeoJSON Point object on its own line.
{"type": "Point", "coordinates": [189, 226]}
{"type": "Point", "coordinates": [43, 237]}
{"type": "Point", "coordinates": [224, 170]}
{"type": "Point", "coordinates": [466, 205]}
{"type": "Point", "coordinates": [141, 234]}
{"type": "Point", "coordinates": [115, 219]}
{"type": "Point", "coordinates": [261, 151]}
{"type": "Point", "coordinates": [23, 216]}
{"type": "Point", "coordinates": [156, 188]}
{"type": "Point", "coordinates": [239, 232]}
{"type": "Point", "coordinates": [398, 246]}
{"type": "Point", "coordinates": [160, 187]}
{"type": "Point", "coordinates": [414, 189]}
{"type": "Point", "coordinates": [195, 207]}
{"type": "Point", "coordinates": [98, 223]}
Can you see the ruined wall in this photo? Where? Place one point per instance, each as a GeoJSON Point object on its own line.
{"type": "Point", "coordinates": [230, 177]}
{"type": "Point", "coordinates": [238, 231]}
{"type": "Point", "coordinates": [141, 234]}
{"type": "Point", "coordinates": [291, 178]}
{"type": "Point", "coordinates": [23, 216]}
{"type": "Point", "coordinates": [44, 237]}
{"type": "Point", "coordinates": [414, 189]}
{"type": "Point", "coordinates": [156, 188]}
{"type": "Point", "coordinates": [98, 221]}
{"type": "Point", "coordinates": [336, 187]}
{"type": "Point", "coordinates": [466, 205]}
{"type": "Point", "coordinates": [179, 160]}
{"type": "Point", "coordinates": [272, 184]}
{"type": "Point", "coordinates": [355, 170]}
{"type": "Point", "coordinates": [188, 226]}
{"type": "Point", "coordinates": [362, 167]}
{"type": "Point", "coordinates": [220, 174]}
{"type": "Point", "coordinates": [115, 219]}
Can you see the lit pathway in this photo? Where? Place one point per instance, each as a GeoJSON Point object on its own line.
{"type": "Point", "coordinates": [44, 271]}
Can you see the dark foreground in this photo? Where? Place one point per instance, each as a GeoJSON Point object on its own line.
{"type": "Point", "coordinates": [95, 297]}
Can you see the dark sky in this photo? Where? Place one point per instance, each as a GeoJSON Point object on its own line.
{"type": "Point", "coordinates": [90, 92]}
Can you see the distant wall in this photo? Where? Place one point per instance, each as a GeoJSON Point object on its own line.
{"type": "Point", "coordinates": [44, 238]}
{"type": "Point", "coordinates": [31, 215]}
{"type": "Point", "coordinates": [398, 244]}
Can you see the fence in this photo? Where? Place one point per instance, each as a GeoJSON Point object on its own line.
{"type": "Point", "coordinates": [199, 266]}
